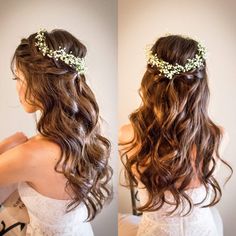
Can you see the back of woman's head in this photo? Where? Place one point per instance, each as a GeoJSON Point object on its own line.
{"type": "Point", "coordinates": [69, 115]}
{"type": "Point", "coordinates": [185, 91]}
{"type": "Point", "coordinates": [175, 140]}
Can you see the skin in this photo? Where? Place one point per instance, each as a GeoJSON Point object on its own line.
{"type": "Point", "coordinates": [12, 141]}
{"type": "Point", "coordinates": [21, 90]}
{"type": "Point", "coordinates": [31, 159]}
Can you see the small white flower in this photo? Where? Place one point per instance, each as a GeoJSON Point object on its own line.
{"type": "Point", "coordinates": [169, 70]}
{"type": "Point", "coordinates": [73, 61]}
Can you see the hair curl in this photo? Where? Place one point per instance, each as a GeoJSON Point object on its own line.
{"type": "Point", "coordinates": [70, 118]}
{"type": "Point", "coordinates": [170, 123]}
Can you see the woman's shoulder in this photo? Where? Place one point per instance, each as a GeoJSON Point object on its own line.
{"type": "Point", "coordinates": [126, 140]}
{"type": "Point", "coordinates": [40, 149]}
{"type": "Point", "coordinates": [26, 161]}
{"type": "Point", "coordinates": [126, 133]}
{"type": "Point", "coordinates": [224, 140]}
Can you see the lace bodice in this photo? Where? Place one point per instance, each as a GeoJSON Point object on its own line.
{"type": "Point", "coordinates": [47, 215]}
{"type": "Point", "coordinates": [198, 222]}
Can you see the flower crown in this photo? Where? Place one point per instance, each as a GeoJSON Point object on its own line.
{"type": "Point", "coordinates": [75, 62]}
{"type": "Point", "coordinates": [169, 70]}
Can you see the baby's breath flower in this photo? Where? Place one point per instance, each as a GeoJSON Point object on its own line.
{"type": "Point", "coordinates": [71, 60]}
{"type": "Point", "coordinates": [169, 70]}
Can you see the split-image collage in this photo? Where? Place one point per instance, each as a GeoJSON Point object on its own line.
{"type": "Point", "coordinates": [117, 118]}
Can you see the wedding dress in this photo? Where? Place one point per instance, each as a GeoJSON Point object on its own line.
{"type": "Point", "coordinates": [47, 215]}
{"type": "Point", "coordinates": [199, 222]}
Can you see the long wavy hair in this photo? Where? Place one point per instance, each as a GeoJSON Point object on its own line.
{"type": "Point", "coordinates": [174, 140]}
{"type": "Point", "coordinates": [70, 117]}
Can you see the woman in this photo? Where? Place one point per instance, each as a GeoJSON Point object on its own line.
{"type": "Point", "coordinates": [62, 171]}
{"type": "Point", "coordinates": [170, 149]}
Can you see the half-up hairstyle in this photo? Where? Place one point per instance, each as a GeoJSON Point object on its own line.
{"type": "Point", "coordinates": [70, 117]}
{"type": "Point", "coordinates": [174, 140]}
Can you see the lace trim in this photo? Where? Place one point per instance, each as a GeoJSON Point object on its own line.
{"type": "Point", "coordinates": [181, 227]}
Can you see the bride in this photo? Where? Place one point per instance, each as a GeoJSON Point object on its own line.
{"type": "Point", "coordinates": [171, 148]}
{"type": "Point", "coordinates": [62, 172]}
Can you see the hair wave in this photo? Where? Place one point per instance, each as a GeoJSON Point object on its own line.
{"type": "Point", "coordinates": [170, 123]}
{"type": "Point", "coordinates": [70, 117]}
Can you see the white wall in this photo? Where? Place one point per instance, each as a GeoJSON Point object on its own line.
{"type": "Point", "coordinates": [213, 23]}
{"type": "Point", "coordinates": [94, 23]}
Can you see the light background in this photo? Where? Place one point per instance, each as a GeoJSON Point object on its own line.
{"type": "Point", "coordinates": [95, 24]}
{"type": "Point", "coordinates": [211, 22]}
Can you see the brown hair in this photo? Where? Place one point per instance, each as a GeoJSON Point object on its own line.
{"type": "Point", "coordinates": [171, 121]}
{"type": "Point", "coordinates": [70, 118]}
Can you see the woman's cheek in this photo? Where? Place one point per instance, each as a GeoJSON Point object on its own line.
{"type": "Point", "coordinates": [20, 90]}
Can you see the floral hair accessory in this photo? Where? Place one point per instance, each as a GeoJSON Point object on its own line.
{"type": "Point", "coordinates": [169, 70]}
{"type": "Point", "coordinates": [75, 62]}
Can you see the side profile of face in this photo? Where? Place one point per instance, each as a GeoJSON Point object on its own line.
{"type": "Point", "coordinates": [21, 86]}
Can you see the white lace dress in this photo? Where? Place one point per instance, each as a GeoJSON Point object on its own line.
{"type": "Point", "coordinates": [48, 218]}
{"type": "Point", "coordinates": [200, 222]}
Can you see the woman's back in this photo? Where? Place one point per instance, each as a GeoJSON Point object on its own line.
{"type": "Point", "coordinates": [46, 154]}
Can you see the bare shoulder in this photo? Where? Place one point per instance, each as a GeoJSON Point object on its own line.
{"type": "Point", "coordinates": [221, 129]}
{"type": "Point", "coordinates": [42, 149]}
{"type": "Point", "coordinates": [225, 135]}
{"type": "Point", "coordinates": [35, 152]}
{"type": "Point", "coordinates": [224, 141]}
{"type": "Point", "coordinates": [18, 164]}
{"type": "Point", "coordinates": [126, 133]}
